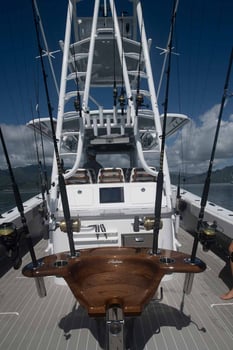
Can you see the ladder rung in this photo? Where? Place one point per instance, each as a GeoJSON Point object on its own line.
{"type": "Point", "coordinates": [75, 75]}
{"type": "Point", "coordinates": [72, 94]}
{"type": "Point", "coordinates": [135, 73]}
{"type": "Point", "coordinates": [77, 57]}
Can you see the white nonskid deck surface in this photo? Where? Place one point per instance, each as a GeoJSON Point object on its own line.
{"type": "Point", "coordinates": [58, 322]}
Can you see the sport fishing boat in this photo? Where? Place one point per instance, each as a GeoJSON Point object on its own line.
{"type": "Point", "coordinates": [112, 226]}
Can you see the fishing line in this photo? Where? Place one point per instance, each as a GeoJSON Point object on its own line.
{"type": "Point", "coordinates": [47, 52]}
{"type": "Point", "coordinates": [36, 143]}
{"type": "Point", "coordinates": [77, 102]}
{"type": "Point", "coordinates": [166, 52]}
{"type": "Point", "coordinates": [206, 187]}
{"type": "Point", "coordinates": [42, 168]}
{"type": "Point", "coordinates": [122, 94]}
{"type": "Point", "coordinates": [177, 70]}
{"type": "Point", "coordinates": [183, 169]}
{"type": "Point", "coordinates": [19, 66]}
{"type": "Point", "coordinates": [115, 92]}
{"type": "Point", "coordinates": [42, 165]}
{"type": "Point", "coordinates": [19, 202]}
{"type": "Point", "coordinates": [61, 180]}
{"type": "Point", "coordinates": [159, 188]}
{"type": "Point", "coordinates": [43, 158]}
{"type": "Point", "coordinates": [139, 97]}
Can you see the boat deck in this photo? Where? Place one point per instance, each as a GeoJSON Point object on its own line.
{"type": "Point", "coordinates": [199, 321]}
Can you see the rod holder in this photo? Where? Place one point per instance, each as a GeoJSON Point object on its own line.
{"type": "Point", "coordinates": [40, 287]}
{"type": "Point", "coordinates": [188, 283]}
{"type": "Point", "coordinates": [115, 328]}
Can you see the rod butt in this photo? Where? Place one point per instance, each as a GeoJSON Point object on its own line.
{"type": "Point", "coordinates": [188, 283]}
{"type": "Point", "coordinates": [40, 287]}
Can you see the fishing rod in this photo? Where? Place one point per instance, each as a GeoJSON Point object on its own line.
{"type": "Point", "coordinates": [39, 281]}
{"type": "Point", "coordinates": [115, 92]}
{"type": "Point", "coordinates": [177, 212]}
{"type": "Point", "coordinates": [41, 177]}
{"type": "Point", "coordinates": [139, 96]}
{"type": "Point", "coordinates": [44, 169]}
{"type": "Point", "coordinates": [42, 172]}
{"type": "Point", "coordinates": [46, 51]}
{"type": "Point", "coordinates": [122, 99]}
{"type": "Point", "coordinates": [160, 178]}
{"type": "Point", "coordinates": [18, 201]}
{"type": "Point", "coordinates": [61, 180]}
{"type": "Point", "coordinates": [206, 187]}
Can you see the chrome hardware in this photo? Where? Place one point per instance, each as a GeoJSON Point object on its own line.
{"type": "Point", "coordinates": [40, 287]}
{"type": "Point", "coordinates": [9, 240]}
{"type": "Point", "coordinates": [115, 328]}
{"type": "Point", "coordinates": [147, 223]}
{"type": "Point", "coordinates": [76, 225]}
{"type": "Point", "coordinates": [158, 297]}
{"type": "Point", "coordinates": [139, 239]}
{"type": "Point", "coordinates": [188, 283]}
{"type": "Point", "coordinates": [208, 234]}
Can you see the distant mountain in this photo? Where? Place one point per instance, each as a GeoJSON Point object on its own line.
{"type": "Point", "coordinates": [26, 177]}
{"type": "Point", "coordinates": [224, 175]}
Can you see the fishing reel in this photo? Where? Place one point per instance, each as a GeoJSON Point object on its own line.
{"type": "Point", "coordinates": [77, 105]}
{"type": "Point", "coordinates": [9, 243]}
{"type": "Point", "coordinates": [122, 100]}
{"type": "Point", "coordinates": [148, 223]}
{"type": "Point", "coordinates": [207, 234]}
{"type": "Point", "coordinates": [139, 99]}
{"type": "Point", "coordinates": [76, 225]}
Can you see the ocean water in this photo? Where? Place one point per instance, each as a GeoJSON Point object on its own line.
{"type": "Point", "coordinates": [221, 194]}
{"type": "Point", "coordinates": [7, 200]}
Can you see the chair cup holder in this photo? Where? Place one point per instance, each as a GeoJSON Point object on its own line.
{"type": "Point", "coordinates": [166, 260]}
{"type": "Point", "coordinates": [60, 263]}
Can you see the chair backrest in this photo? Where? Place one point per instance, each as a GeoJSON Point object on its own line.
{"type": "Point", "coordinates": [140, 175]}
{"type": "Point", "coordinates": [82, 176]}
{"type": "Point", "coordinates": [108, 175]}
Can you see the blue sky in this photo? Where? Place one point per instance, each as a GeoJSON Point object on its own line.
{"type": "Point", "coordinates": [203, 39]}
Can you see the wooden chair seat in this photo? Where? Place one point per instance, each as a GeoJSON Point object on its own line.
{"type": "Point", "coordinates": [102, 277]}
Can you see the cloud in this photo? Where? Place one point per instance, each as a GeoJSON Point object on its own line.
{"type": "Point", "coordinates": [192, 147]}
{"type": "Point", "coordinates": [188, 150]}
{"type": "Point", "coordinates": [21, 147]}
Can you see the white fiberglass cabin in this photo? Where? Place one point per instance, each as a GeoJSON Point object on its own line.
{"type": "Point", "coordinates": [107, 103]}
